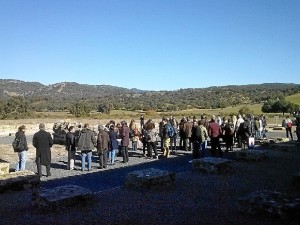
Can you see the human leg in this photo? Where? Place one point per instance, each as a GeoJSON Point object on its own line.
{"type": "Point", "coordinates": [89, 158]}
{"type": "Point", "coordinates": [23, 159]}
{"type": "Point", "coordinates": [38, 165]}
{"type": "Point", "coordinates": [83, 156]}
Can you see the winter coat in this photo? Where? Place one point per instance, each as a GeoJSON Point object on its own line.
{"type": "Point", "coordinates": [70, 141]}
{"type": "Point", "coordinates": [102, 141]}
{"type": "Point", "coordinates": [23, 142]}
{"type": "Point", "coordinates": [87, 140]}
{"type": "Point", "coordinates": [125, 136]}
{"type": "Point", "coordinates": [43, 142]}
{"type": "Point", "coordinates": [114, 144]}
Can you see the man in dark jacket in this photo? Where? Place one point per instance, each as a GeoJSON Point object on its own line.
{"type": "Point", "coordinates": [125, 141]}
{"type": "Point", "coordinates": [43, 142]}
{"type": "Point", "coordinates": [102, 146]}
{"type": "Point", "coordinates": [22, 148]}
{"type": "Point", "coordinates": [86, 144]}
{"type": "Point", "coordinates": [70, 146]}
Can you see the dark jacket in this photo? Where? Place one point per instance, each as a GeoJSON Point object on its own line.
{"type": "Point", "coordinates": [43, 141]}
{"type": "Point", "coordinates": [196, 134]}
{"type": "Point", "coordinates": [125, 135]}
{"type": "Point", "coordinates": [70, 141]}
{"type": "Point", "coordinates": [114, 144]}
{"type": "Point", "coordinates": [23, 142]}
{"type": "Point", "coordinates": [87, 140]}
{"type": "Point", "coordinates": [102, 140]}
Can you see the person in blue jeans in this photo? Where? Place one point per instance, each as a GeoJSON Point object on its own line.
{"type": "Point", "coordinates": [22, 148]}
{"type": "Point", "coordinates": [113, 144]}
{"type": "Point", "coordinates": [86, 144]}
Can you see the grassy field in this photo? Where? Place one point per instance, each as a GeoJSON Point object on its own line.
{"type": "Point", "coordinates": [128, 115]}
{"type": "Point", "coordinates": [294, 98]}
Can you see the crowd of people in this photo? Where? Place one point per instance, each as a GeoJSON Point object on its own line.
{"type": "Point", "coordinates": [188, 134]}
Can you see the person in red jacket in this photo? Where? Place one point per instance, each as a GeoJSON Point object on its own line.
{"type": "Point", "coordinates": [214, 132]}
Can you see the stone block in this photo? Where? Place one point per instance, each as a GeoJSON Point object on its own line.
{"type": "Point", "coordinates": [296, 180]}
{"type": "Point", "coordinates": [251, 155]}
{"type": "Point", "coordinates": [4, 168]}
{"type": "Point", "coordinates": [211, 165]}
{"type": "Point", "coordinates": [18, 180]}
{"type": "Point", "coordinates": [151, 178]}
{"type": "Point", "coordinates": [283, 139]}
{"type": "Point", "coordinates": [63, 196]}
{"type": "Point", "coordinates": [272, 203]}
{"type": "Point", "coordinates": [284, 147]}
{"type": "Point", "coordinates": [278, 128]}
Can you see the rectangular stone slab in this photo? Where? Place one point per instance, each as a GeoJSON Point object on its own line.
{"type": "Point", "coordinates": [18, 180]}
{"type": "Point", "coordinates": [284, 147]}
{"type": "Point", "coordinates": [270, 202]}
{"type": "Point", "coordinates": [64, 196]}
{"type": "Point", "coordinates": [211, 165]}
{"type": "Point", "coordinates": [251, 155]}
{"type": "Point", "coordinates": [150, 179]}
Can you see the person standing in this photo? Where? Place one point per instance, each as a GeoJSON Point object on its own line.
{"type": "Point", "coordinates": [102, 146]}
{"type": "Point", "coordinates": [214, 132]}
{"type": "Point", "coordinates": [86, 144]}
{"type": "Point", "coordinates": [114, 144]}
{"type": "Point", "coordinates": [43, 142]}
{"type": "Point", "coordinates": [151, 138]}
{"type": "Point", "coordinates": [166, 139]}
{"type": "Point", "coordinates": [22, 148]}
{"type": "Point", "coordinates": [134, 134]}
{"type": "Point", "coordinates": [125, 141]}
{"type": "Point", "coordinates": [70, 146]}
{"type": "Point", "coordinates": [288, 127]}
{"type": "Point", "coordinates": [142, 122]}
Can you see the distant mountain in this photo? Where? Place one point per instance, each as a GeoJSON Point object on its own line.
{"type": "Point", "coordinates": [64, 94]}
{"type": "Point", "coordinates": [63, 90]}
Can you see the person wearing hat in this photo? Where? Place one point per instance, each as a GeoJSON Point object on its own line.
{"type": "Point", "coordinates": [22, 148]}
{"type": "Point", "coordinates": [43, 142]}
{"type": "Point", "coordinates": [102, 146]}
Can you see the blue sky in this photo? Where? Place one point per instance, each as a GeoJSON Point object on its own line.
{"type": "Point", "coordinates": [151, 44]}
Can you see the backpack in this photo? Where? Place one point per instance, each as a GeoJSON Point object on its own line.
{"type": "Point", "coordinates": [170, 131]}
{"type": "Point", "coordinates": [16, 144]}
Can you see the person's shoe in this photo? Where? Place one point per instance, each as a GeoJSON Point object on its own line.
{"type": "Point", "coordinates": [156, 157]}
{"type": "Point", "coordinates": [48, 175]}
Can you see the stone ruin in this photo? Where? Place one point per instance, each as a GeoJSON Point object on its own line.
{"type": "Point", "coordinates": [151, 179]}
{"type": "Point", "coordinates": [251, 155]}
{"type": "Point", "coordinates": [60, 131]}
{"type": "Point", "coordinates": [271, 202]}
{"type": "Point", "coordinates": [63, 196]}
{"type": "Point", "coordinates": [19, 180]}
{"type": "Point", "coordinates": [211, 165]}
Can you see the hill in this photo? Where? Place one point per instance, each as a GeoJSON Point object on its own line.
{"type": "Point", "coordinates": [62, 96]}
{"type": "Point", "coordinates": [294, 98]}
